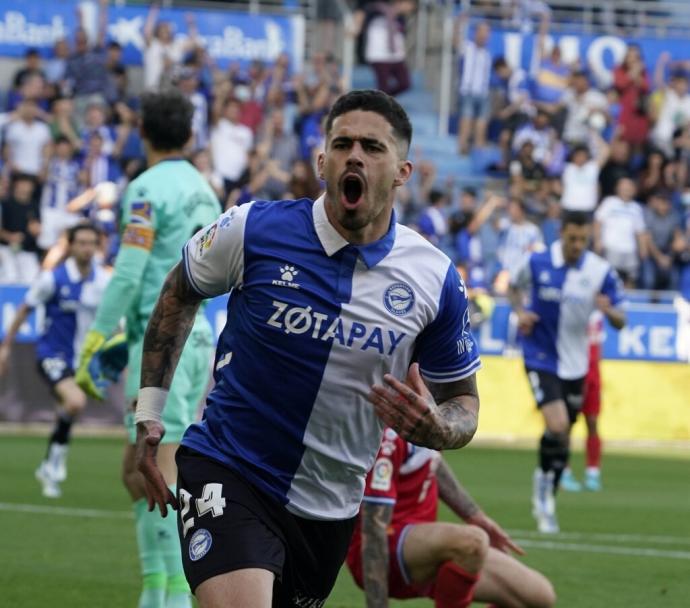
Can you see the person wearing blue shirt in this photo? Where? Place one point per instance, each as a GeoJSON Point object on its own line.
{"type": "Point", "coordinates": [332, 302]}
{"type": "Point", "coordinates": [562, 285]}
{"type": "Point", "coordinates": [70, 293]}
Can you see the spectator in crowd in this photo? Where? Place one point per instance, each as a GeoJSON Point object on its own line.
{"type": "Point", "coordinates": [632, 84]}
{"type": "Point", "coordinates": [162, 50]}
{"type": "Point", "coordinates": [513, 104]}
{"type": "Point", "coordinates": [61, 186]}
{"type": "Point", "coordinates": [528, 176]}
{"type": "Point", "coordinates": [665, 242]}
{"type": "Point", "coordinates": [86, 74]}
{"type": "Point", "coordinates": [385, 45]}
{"type": "Point", "coordinates": [520, 235]}
{"type": "Point", "coordinates": [618, 165]}
{"type": "Point", "coordinates": [32, 66]}
{"type": "Point", "coordinates": [674, 112]}
{"type": "Point", "coordinates": [551, 224]}
{"type": "Point", "coordinates": [56, 66]}
{"type": "Point", "coordinates": [581, 177]}
{"type": "Point", "coordinates": [541, 134]}
{"type": "Point", "coordinates": [63, 123]}
{"type": "Point", "coordinates": [201, 159]}
{"type": "Point", "coordinates": [96, 165]}
{"type": "Point", "coordinates": [230, 144]}
{"type": "Point", "coordinates": [27, 142]}
{"type": "Point", "coordinates": [281, 147]}
{"type": "Point", "coordinates": [620, 234]}
{"type": "Point", "coordinates": [186, 79]}
{"type": "Point", "coordinates": [586, 108]}
{"type": "Point", "coordinates": [552, 76]}
{"type": "Point", "coordinates": [19, 231]}
{"type": "Point", "coordinates": [473, 88]}
{"type": "Point", "coordinates": [432, 223]}
{"type": "Point", "coordinates": [651, 175]}
{"type": "Point", "coordinates": [303, 181]}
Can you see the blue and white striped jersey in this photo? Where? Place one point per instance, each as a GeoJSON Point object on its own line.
{"type": "Point", "coordinates": [564, 298]}
{"type": "Point", "coordinates": [313, 322]}
{"type": "Point", "coordinates": [70, 307]}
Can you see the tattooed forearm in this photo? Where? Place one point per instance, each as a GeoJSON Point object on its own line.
{"type": "Point", "coordinates": [457, 413]}
{"type": "Point", "coordinates": [170, 323]}
{"type": "Point", "coordinates": [453, 494]}
{"type": "Point", "coordinates": [375, 520]}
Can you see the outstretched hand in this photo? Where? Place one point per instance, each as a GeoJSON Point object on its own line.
{"type": "Point", "coordinates": [408, 408]}
{"type": "Point", "coordinates": [149, 435]}
{"type": "Point", "coordinates": [498, 537]}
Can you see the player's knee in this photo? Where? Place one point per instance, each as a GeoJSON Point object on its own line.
{"type": "Point", "coordinates": [468, 546]}
{"type": "Point", "coordinates": [74, 402]}
{"type": "Point", "coordinates": [555, 439]}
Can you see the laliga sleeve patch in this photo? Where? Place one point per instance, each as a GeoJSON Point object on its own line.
{"type": "Point", "coordinates": [141, 213]}
{"type": "Point", "coordinates": [382, 475]}
{"type": "Point", "coordinates": [136, 235]}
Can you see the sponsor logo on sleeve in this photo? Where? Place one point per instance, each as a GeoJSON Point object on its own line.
{"type": "Point", "coordinates": [136, 235]}
{"type": "Point", "coordinates": [141, 213]}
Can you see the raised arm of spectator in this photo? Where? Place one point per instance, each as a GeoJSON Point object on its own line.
{"type": "Point", "coordinates": [102, 23]}
{"type": "Point", "coordinates": [460, 32]}
{"type": "Point", "coordinates": [493, 202]}
{"type": "Point", "coordinates": [150, 24]}
{"type": "Point", "coordinates": [192, 39]}
{"type": "Point", "coordinates": [123, 129]}
{"type": "Point", "coordinates": [544, 24]}
{"type": "Point", "coordinates": [660, 70]}
{"type": "Point", "coordinates": [601, 149]}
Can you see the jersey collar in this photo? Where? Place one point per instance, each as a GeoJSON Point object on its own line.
{"type": "Point", "coordinates": [332, 241]}
{"type": "Point", "coordinates": [73, 271]}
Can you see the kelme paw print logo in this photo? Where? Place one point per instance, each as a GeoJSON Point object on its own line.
{"type": "Point", "coordinates": [288, 273]}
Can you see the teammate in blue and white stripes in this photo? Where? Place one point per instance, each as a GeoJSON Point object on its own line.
{"type": "Point", "coordinates": [70, 293]}
{"type": "Point", "coordinates": [563, 286]}
{"type": "Point", "coordinates": [332, 300]}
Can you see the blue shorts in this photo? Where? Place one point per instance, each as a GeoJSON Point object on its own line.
{"type": "Point", "coordinates": [475, 106]}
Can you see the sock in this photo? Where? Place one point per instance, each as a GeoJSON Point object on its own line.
{"type": "Point", "coordinates": [61, 432]}
{"type": "Point", "coordinates": [178, 593]}
{"type": "Point", "coordinates": [593, 451]}
{"type": "Point", "coordinates": [553, 455]}
{"type": "Point", "coordinates": [454, 587]}
{"type": "Point", "coordinates": [152, 563]}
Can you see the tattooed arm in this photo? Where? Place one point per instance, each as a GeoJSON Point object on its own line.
{"type": "Point", "coordinates": [375, 519]}
{"type": "Point", "coordinates": [441, 416]}
{"type": "Point", "coordinates": [166, 334]}
{"type": "Point", "coordinates": [452, 493]}
{"type": "Point", "coordinates": [169, 326]}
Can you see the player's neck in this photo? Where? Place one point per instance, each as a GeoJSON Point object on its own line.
{"type": "Point", "coordinates": [84, 268]}
{"type": "Point", "coordinates": [154, 157]}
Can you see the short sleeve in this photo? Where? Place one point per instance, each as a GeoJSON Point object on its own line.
{"type": "Point", "coordinates": [41, 290]}
{"type": "Point", "coordinates": [601, 214]}
{"type": "Point", "coordinates": [214, 256]}
{"type": "Point", "coordinates": [382, 480]}
{"type": "Point", "coordinates": [640, 224]}
{"type": "Point", "coordinates": [613, 287]}
{"type": "Point", "coordinates": [446, 349]}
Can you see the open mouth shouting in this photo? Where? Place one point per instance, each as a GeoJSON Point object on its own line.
{"type": "Point", "coordinates": [352, 188]}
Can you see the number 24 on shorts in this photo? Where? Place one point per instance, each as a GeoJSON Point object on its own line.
{"type": "Point", "coordinates": [211, 501]}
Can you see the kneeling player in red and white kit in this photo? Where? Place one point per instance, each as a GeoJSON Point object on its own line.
{"type": "Point", "coordinates": [399, 549]}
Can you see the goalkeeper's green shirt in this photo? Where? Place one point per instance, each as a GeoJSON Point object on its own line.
{"type": "Point", "coordinates": [161, 210]}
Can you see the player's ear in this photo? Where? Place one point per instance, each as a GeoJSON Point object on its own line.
{"type": "Point", "coordinates": [320, 159]}
{"type": "Point", "coordinates": [404, 171]}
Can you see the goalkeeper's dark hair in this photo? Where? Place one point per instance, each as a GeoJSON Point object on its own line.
{"type": "Point", "coordinates": [166, 119]}
{"type": "Point", "coordinates": [77, 228]}
{"type": "Point", "coordinates": [370, 100]}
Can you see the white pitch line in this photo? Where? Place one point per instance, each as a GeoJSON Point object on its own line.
{"type": "Point", "coordinates": [64, 511]}
{"type": "Point", "coordinates": [621, 538]}
{"type": "Point", "coordinates": [584, 548]}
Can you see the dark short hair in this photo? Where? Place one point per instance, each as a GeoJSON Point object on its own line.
{"type": "Point", "coordinates": [77, 228]}
{"type": "Point", "coordinates": [577, 149]}
{"type": "Point", "coordinates": [370, 100]}
{"type": "Point", "coordinates": [578, 218]}
{"type": "Point", "coordinates": [436, 196]}
{"type": "Point", "coordinates": [62, 139]}
{"type": "Point", "coordinates": [166, 119]}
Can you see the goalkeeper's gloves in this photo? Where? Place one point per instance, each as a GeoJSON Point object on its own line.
{"type": "Point", "coordinates": [93, 341]}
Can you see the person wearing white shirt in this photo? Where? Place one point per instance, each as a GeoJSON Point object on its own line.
{"type": "Point", "coordinates": [27, 141]}
{"type": "Point", "coordinates": [520, 237]}
{"type": "Point", "coordinates": [674, 113]}
{"type": "Point", "coordinates": [230, 145]}
{"type": "Point", "coordinates": [581, 178]}
{"type": "Point", "coordinates": [620, 233]}
{"type": "Point", "coordinates": [582, 102]}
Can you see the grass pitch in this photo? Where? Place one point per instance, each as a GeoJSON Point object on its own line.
{"type": "Point", "coordinates": [627, 546]}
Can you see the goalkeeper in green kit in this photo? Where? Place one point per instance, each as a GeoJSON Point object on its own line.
{"type": "Point", "coordinates": [161, 210]}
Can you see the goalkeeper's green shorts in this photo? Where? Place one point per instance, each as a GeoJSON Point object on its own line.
{"type": "Point", "coordinates": [188, 387]}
